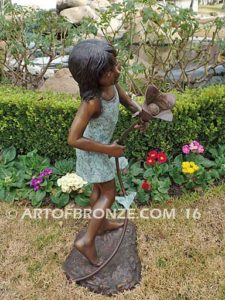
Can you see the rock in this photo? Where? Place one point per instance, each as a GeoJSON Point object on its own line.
{"type": "Point", "coordinates": [123, 272]}
{"type": "Point", "coordinates": [212, 81]}
{"type": "Point", "coordinates": [99, 4]}
{"type": "Point", "coordinates": [185, 4]}
{"type": "Point", "coordinates": [43, 61]}
{"type": "Point", "coordinates": [64, 4]}
{"type": "Point", "coordinates": [76, 14]}
{"type": "Point", "coordinates": [62, 82]}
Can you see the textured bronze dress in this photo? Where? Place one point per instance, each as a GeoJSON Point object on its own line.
{"type": "Point", "coordinates": [96, 167]}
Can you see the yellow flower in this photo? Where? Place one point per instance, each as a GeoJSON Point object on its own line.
{"type": "Point", "coordinates": [185, 164]}
{"type": "Point", "coordinates": [189, 167]}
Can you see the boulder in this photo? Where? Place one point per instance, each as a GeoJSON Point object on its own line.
{"type": "Point", "coordinates": [99, 4]}
{"type": "Point", "coordinates": [76, 14]}
{"type": "Point", "coordinates": [62, 82]}
{"type": "Point", "coordinates": [64, 4]}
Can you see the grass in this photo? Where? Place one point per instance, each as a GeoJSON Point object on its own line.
{"type": "Point", "coordinates": [182, 258]}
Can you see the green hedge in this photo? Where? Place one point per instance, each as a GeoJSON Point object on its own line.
{"type": "Point", "coordinates": [34, 120]}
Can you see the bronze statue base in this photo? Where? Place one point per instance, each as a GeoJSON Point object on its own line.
{"type": "Point", "coordinates": [123, 272]}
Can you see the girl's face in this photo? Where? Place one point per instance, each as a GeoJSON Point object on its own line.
{"type": "Point", "coordinates": [111, 77]}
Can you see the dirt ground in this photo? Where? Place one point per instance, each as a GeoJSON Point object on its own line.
{"type": "Point", "coordinates": [183, 258]}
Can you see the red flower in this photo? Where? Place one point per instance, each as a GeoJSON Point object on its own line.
{"type": "Point", "coordinates": [150, 161]}
{"type": "Point", "coordinates": [146, 185]}
{"type": "Point", "coordinates": [153, 154]}
{"type": "Point", "coordinates": [162, 158]}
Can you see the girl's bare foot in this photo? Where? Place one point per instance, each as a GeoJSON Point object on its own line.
{"type": "Point", "coordinates": [108, 226]}
{"type": "Point", "coordinates": [88, 250]}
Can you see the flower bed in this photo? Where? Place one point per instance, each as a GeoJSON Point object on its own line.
{"type": "Point", "coordinates": [33, 177]}
{"type": "Point", "coordinates": [156, 177]}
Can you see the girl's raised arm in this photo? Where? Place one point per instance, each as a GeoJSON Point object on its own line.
{"type": "Point", "coordinates": [126, 101]}
{"type": "Point", "coordinates": [133, 106]}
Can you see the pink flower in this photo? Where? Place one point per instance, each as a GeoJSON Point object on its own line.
{"type": "Point", "coordinates": [194, 146]}
{"type": "Point", "coordinates": [186, 149]}
{"type": "Point", "coordinates": [201, 149]}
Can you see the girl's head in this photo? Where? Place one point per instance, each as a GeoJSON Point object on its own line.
{"type": "Point", "coordinates": [93, 64]}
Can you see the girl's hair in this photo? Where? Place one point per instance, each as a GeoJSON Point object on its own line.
{"type": "Point", "coordinates": [88, 61]}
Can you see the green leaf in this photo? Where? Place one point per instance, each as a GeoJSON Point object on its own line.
{"type": "Point", "coordinates": [163, 190]}
{"type": "Point", "coordinates": [8, 154]}
{"type": "Point", "coordinates": [179, 179]}
{"type": "Point", "coordinates": [135, 169]}
{"type": "Point", "coordinates": [87, 190]}
{"type": "Point", "coordinates": [142, 196]}
{"type": "Point", "coordinates": [38, 198]}
{"type": "Point", "coordinates": [149, 173]}
{"type": "Point", "coordinates": [2, 194]}
{"type": "Point", "coordinates": [205, 162]}
{"type": "Point", "coordinates": [214, 174]}
{"type": "Point", "coordinates": [178, 159]}
{"type": "Point", "coordinates": [163, 168]}
{"type": "Point", "coordinates": [82, 201]}
{"type": "Point", "coordinates": [23, 193]}
{"type": "Point", "coordinates": [10, 196]}
{"type": "Point", "coordinates": [214, 152]}
{"type": "Point", "coordinates": [64, 166]}
{"type": "Point", "coordinates": [165, 183]}
{"type": "Point", "coordinates": [60, 199]}
{"type": "Point", "coordinates": [137, 181]}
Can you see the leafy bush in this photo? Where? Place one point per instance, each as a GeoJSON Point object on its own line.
{"type": "Point", "coordinates": [27, 33]}
{"type": "Point", "coordinates": [32, 177]}
{"type": "Point", "coordinates": [155, 177]}
{"type": "Point", "coordinates": [154, 39]}
{"type": "Point", "coordinates": [33, 120]}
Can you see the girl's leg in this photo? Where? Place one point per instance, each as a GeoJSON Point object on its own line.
{"type": "Point", "coordinates": [106, 224]}
{"type": "Point", "coordinates": [95, 194]}
{"type": "Point", "coordinates": [86, 244]}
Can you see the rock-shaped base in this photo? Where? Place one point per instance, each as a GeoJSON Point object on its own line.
{"type": "Point", "coordinates": [123, 272]}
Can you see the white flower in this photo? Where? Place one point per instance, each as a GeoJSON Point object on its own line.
{"type": "Point", "coordinates": [70, 182]}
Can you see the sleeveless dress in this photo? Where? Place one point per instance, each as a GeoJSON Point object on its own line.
{"type": "Point", "coordinates": [96, 167]}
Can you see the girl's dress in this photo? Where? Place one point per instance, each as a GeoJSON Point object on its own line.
{"type": "Point", "coordinates": [96, 167]}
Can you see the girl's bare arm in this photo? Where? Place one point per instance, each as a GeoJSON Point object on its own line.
{"type": "Point", "coordinates": [133, 106]}
{"type": "Point", "coordinates": [75, 138]}
{"type": "Point", "coordinates": [126, 101]}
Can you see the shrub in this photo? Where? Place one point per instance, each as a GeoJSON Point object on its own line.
{"type": "Point", "coordinates": [158, 176]}
{"type": "Point", "coordinates": [33, 120]}
{"type": "Point", "coordinates": [32, 177]}
{"type": "Point", "coordinates": [29, 33]}
{"type": "Point", "coordinates": [153, 40]}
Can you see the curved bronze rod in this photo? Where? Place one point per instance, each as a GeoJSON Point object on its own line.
{"type": "Point", "coordinates": [121, 237]}
{"type": "Point", "coordinates": [125, 134]}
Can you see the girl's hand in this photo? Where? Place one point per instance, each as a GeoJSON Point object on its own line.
{"type": "Point", "coordinates": [142, 126]}
{"type": "Point", "coordinates": [116, 150]}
